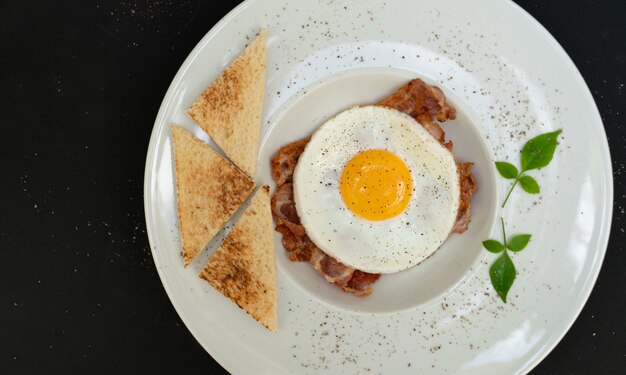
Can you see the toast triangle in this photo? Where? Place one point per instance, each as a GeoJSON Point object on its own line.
{"type": "Point", "coordinates": [230, 109]}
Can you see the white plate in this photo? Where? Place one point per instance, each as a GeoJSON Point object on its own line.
{"type": "Point", "coordinates": [509, 80]}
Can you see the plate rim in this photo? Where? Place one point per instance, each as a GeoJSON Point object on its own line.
{"type": "Point", "coordinates": [606, 222]}
{"type": "Point", "coordinates": [149, 175]}
{"type": "Point", "coordinates": [606, 155]}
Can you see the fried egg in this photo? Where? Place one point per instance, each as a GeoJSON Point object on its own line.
{"type": "Point", "coordinates": [375, 190]}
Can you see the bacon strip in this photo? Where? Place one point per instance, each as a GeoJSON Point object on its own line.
{"type": "Point", "coordinates": [417, 98]}
{"type": "Point", "coordinates": [361, 283]}
{"type": "Point", "coordinates": [284, 163]}
{"type": "Point", "coordinates": [347, 278]}
{"type": "Point", "coordinates": [295, 240]}
{"type": "Point", "coordinates": [333, 271]}
{"type": "Point", "coordinates": [298, 247]}
{"type": "Point", "coordinates": [435, 130]}
{"type": "Point", "coordinates": [467, 183]}
{"type": "Point", "coordinates": [283, 206]}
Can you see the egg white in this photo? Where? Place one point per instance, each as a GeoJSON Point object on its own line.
{"type": "Point", "coordinates": [385, 246]}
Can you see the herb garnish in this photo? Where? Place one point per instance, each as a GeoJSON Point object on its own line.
{"type": "Point", "coordinates": [502, 272]}
{"type": "Point", "coordinates": [536, 153]}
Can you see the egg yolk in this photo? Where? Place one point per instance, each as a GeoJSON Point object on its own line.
{"type": "Point", "coordinates": [376, 185]}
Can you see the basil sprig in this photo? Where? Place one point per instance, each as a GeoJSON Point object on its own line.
{"type": "Point", "coordinates": [502, 272]}
{"type": "Point", "coordinates": [536, 153]}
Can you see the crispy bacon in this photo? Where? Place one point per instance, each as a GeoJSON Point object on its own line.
{"type": "Point", "coordinates": [361, 283]}
{"type": "Point", "coordinates": [333, 271]}
{"type": "Point", "coordinates": [283, 205]}
{"type": "Point", "coordinates": [298, 247]}
{"type": "Point", "coordinates": [295, 240]}
{"type": "Point", "coordinates": [467, 183]}
{"type": "Point", "coordinates": [417, 98]}
{"type": "Point", "coordinates": [435, 130]}
{"type": "Point", "coordinates": [284, 163]}
{"type": "Point", "coordinates": [347, 278]}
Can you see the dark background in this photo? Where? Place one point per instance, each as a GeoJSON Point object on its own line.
{"type": "Point", "coordinates": [81, 84]}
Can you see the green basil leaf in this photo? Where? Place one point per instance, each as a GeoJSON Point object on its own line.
{"type": "Point", "coordinates": [538, 152]}
{"type": "Point", "coordinates": [507, 170]}
{"type": "Point", "coordinates": [529, 185]}
{"type": "Point", "coordinates": [519, 242]}
{"type": "Point", "coordinates": [502, 274]}
{"type": "Point", "coordinates": [493, 246]}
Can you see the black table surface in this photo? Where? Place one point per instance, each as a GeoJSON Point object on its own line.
{"type": "Point", "coordinates": [81, 84]}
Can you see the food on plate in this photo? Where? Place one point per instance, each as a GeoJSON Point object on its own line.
{"type": "Point", "coordinates": [210, 189]}
{"type": "Point", "coordinates": [375, 190]}
{"type": "Point", "coordinates": [230, 109]}
{"type": "Point", "coordinates": [468, 187]}
{"type": "Point", "coordinates": [243, 267]}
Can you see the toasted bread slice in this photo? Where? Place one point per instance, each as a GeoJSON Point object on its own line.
{"type": "Point", "coordinates": [230, 109]}
{"type": "Point", "coordinates": [243, 268]}
{"type": "Point", "coordinates": [210, 190]}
